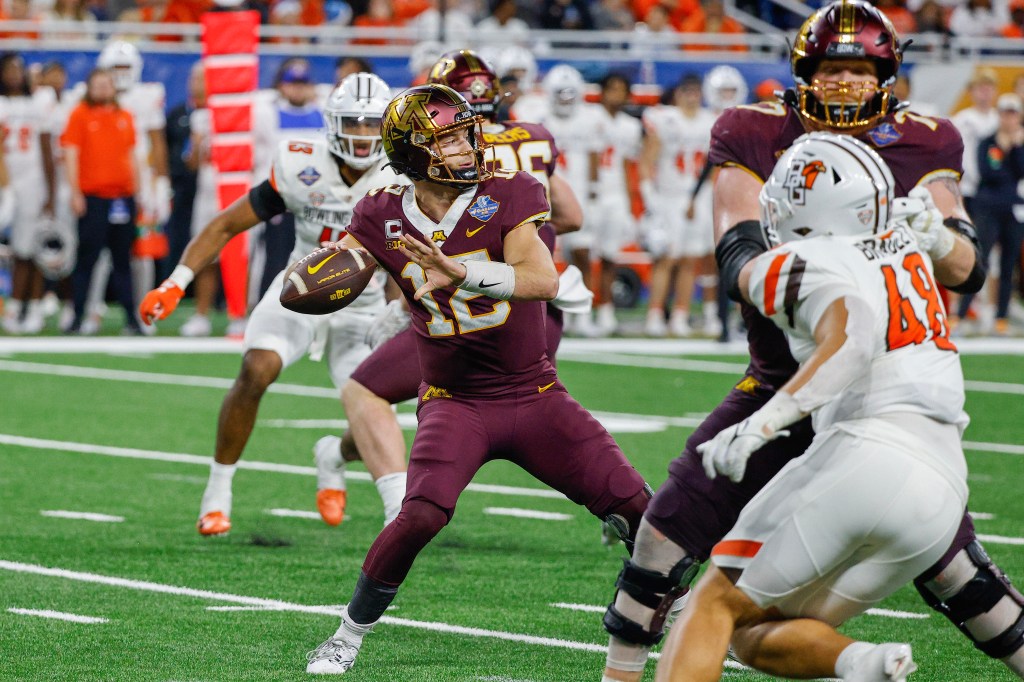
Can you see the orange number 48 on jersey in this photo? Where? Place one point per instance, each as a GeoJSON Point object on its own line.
{"type": "Point", "coordinates": [905, 327]}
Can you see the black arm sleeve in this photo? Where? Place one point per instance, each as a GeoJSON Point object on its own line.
{"type": "Point", "coordinates": [741, 244]}
{"type": "Point", "coordinates": [266, 202]}
{"type": "Point", "coordinates": [976, 279]}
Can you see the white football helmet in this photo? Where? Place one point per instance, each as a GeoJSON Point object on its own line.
{"type": "Point", "coordinates": [724, 87]}
{"type": "Point", "coordinates": [518, 62]}
{"type": "Point", "coordinates": [564, 87]}
{"type": "Point", "coordinates": [55, 255]}
{"type": "Point", "coordinates": [826, 184]}
{"type": "Point", "coordinates": [124, 61]}
{"type": "Point", "coordinates": [359, 98]}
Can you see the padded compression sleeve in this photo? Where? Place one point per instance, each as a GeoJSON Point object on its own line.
{"type": "Point", "coordinates": [266, 202]}
{"type": "Point", "coordinates": [741, 244]}
{"type": "Point", "coordinates": [976, 279]}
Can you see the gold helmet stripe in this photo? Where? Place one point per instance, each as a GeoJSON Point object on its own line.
{"type": "Point", "coordinates": [847, 22]}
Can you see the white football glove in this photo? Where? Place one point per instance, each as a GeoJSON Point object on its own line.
{"type": "Point", "coordinates": [918, 212]}
{"type": "Point", "coordinates": [394, 319]}
{"type": "Point", "coordinates": [727, 453]}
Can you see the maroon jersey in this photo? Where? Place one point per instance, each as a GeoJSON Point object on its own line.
{"type": "Point", "coordinates": [917, 149]}
{"type": "Point", "coordinates": [525, 146]}
{"type": "Point", "coordinates": [468, 343]}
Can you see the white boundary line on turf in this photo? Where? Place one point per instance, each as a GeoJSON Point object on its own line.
{"type": "Point", "coordinates": [1000, 539]}
{"type": "Point", "coordinates": [59, 615]}
{"type": "Point", "coordinates": [279, 605]}
{"type": "Point", "coordinates": [886, 613]}
{"type": "Point", "coordinates": [297, 514]}
{"type": "Point", "coordinates": [81, 516]}
{"type": "Point", "coordinates": [528, 514]}
{"type": "Point", "coordinates": [181, 458]}
{"type": "Point", "coordinates": [322, 392]}
{"type": "Point", "coordinates": [183, 346]}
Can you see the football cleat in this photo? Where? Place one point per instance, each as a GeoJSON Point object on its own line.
{"type": "Point", "coordinates": [213, 523]}
{"type": "Point", "coordinates": [333, 657]}
{"type": "Point", "coordinates": [331, 505]}
{"type": "Point", "coordinates": [899, 661]}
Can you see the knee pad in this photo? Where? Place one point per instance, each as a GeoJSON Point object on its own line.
{"type": "Point", "coordinates": [653, 590]}
{"type": "Point", "coordinates": [971, 586]}
{"type": "Point", "coordinates": [623, 520]}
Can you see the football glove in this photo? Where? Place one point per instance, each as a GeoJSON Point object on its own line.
{"type": "Point", "coordinates": [160, 302]}
{"type": "Point", "coordinates": [728, 452]}
{"type": "Point", "coordinates": [919, 212]}
{"type": "Point", "coordinates": [394, 319]}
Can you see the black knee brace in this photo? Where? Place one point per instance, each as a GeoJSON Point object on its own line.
{"type": "Point", "coordinates": [982, 592]}
{"type": "Point", "coordinates": [653, 590]}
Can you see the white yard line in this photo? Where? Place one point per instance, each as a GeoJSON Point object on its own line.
{"type": "Point", "coordinates": [59, 615]}
{"type": "Point", "coordinates": [527, 514]}
{"type": "Point", "coordinates": [888, 613]}
{"type": "Point", "coordinates": [81, 516]}
{"type": "Point", "coordinates": [982, 516]}
{"type": "Point", "coordinates": [181, 458]}
{"type": "Point", "coordinates": [297, 514]}
{"type": "Point", "coordinates": [1000, 539]}
{"type": "Point", "coordinates": [1004, 448]}
{"type": "Point", "coordinates": [278, 605]}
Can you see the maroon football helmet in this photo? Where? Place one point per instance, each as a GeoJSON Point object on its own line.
{"type": "Point", "coordinates": [847, 29]}
{"type": "Point", "coordinates": [414, 122]}
{"type": "Point", "coordinates": [467, 73]}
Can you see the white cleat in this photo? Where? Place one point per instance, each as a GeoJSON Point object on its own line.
{"type": "Point", "coordinates": [333, 657]}
{"type": "Point", "coordinates": [196, 326]}
{"type": "Point", "coordinates": [679, 326]}
{"type": "Point", "coordinates": [655, 326]}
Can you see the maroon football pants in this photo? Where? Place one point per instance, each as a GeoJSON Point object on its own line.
{"type": "Point", "coordinates": [541, 428]}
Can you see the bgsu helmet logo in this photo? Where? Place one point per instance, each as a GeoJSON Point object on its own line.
{"type": "Point", "coordinates": [801, 178]}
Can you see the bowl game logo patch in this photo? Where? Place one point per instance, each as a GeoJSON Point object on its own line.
{"type": "Point", "coordinates": [309, 175]}
{"type": "Point", "coordinates": [483, 208]}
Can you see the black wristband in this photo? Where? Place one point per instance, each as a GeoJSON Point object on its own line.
{"type": "Point", "coordinates": [741, 244]}
{"type": "Point", "coordinates": [964, 228]}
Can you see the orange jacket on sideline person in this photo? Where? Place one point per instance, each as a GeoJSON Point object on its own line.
{"type": "Point", "coordinates": [105, 138]}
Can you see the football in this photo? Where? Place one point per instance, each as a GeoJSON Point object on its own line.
{"type": "Point", "coordinates": [326, 280]}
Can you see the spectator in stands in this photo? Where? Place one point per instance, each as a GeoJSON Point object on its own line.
{"type": "Point", "coordinates": [287, 13]}
{"type": "Point", "coordinates": [503, 26]}
{"type": "Point", "coordinates": [977, 18]}
{"type": "Point", "coordinates": [346, 66]}
{"type": "Point", "coordinates": [710, 18]}
{"type": "Point", "coordinates": [21, 10]}
{"type": "Point", "coordinates": [458, 22]}
{"type": "Point", "coordinates": [145, 11]}
{"type": "Point", "coordinates": [1015, 29]}
{"type": "Point", "coordinates": [566, 15]}
{"type": "Point", "coordinates": [101, 172]}
{"type": "Point", "coordinates": [678, 10]}
{"type": "Point", "coordinates": [612, 15]}
{"type": "Point", "coordinates": [69, 12]}
{"type": "Point", "coordinates": [406, 10]}
{"type": "Point", "coordinates": [976, 122]}
{"type": "Point", "coordinates": [1000, 161]}
{"type": "Point", "coordinates": [901, 17]}
{"type": "Point", "coordinates": [655, 33]}
{"type": "Point", "coordinates": [379, 14]}
{"type": "Point", "coordinates": [931, 18]}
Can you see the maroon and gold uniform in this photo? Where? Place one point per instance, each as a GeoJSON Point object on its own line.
{"type": "Point", "coordinates": [391, 372]}
{"type": "Point", "coordinates": [917, 149]}
{"type": "Point", "coordinates": [484, 367]}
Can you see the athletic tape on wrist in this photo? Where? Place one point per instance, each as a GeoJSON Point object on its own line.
{"type": "Point", "coordinates": [182, 276]}
{"type": "Point", "coordinates": [494, 279]}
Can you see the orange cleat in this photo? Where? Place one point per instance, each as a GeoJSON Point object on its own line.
{"type": "Point", "coordinates": [331, 504]}
{"type": "Point", "coordinates": [214, 523]}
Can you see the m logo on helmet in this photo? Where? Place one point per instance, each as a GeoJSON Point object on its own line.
{"type": "Point", "coordinates": [801, 178]}
{"type": "Point", "coordinates": [412, 107]}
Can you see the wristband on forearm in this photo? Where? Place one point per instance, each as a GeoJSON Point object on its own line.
{"type": "Point", "coordinates": [491, 278]}
{"type": "Point", "coordinates": [182, 276]}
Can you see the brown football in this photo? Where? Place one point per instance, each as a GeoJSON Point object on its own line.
{"type": "Point", "coordinates": [326, 280]}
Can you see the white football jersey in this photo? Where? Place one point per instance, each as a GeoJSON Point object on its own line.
{"type": "Point", "coordinates": [305, 173]}
{"type": "Point", "coordinates": [914, 366]}
{"type": "Point", "coordinates": [974, 126]}
{"type": "Point", "coordinates": [620, 139]}
{"type": "Point", "coordinates": [684, 143]}
{"type": "Point", "coordinates": [25, 118]}
{"type": "Point", "coordinates": [577, 137]}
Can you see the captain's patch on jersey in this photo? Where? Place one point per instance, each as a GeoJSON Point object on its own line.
{"type": "Point", "coordinates": [483, 208]}
{"type": "Point", "coordinates": [309, 175]}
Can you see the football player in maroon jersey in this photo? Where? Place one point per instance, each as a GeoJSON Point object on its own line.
{"type": "Point", "coordinates": [391, 374]}
{"type": "Point", "coordinates": [479, 333]}
{"type": "Point", "coordinates": [844, 63]}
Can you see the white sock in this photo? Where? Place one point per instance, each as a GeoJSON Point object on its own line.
{"type": "Point", "coordinates": [391, 489]}
{"type": "Point", "coordinates": [217, 496]}
{"type": "Point", "coordinates": [12, 308]}
{"type": "Point", "coordinates": [350, 631]}
{"type": "Point", "coordinates": [710, 310]}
